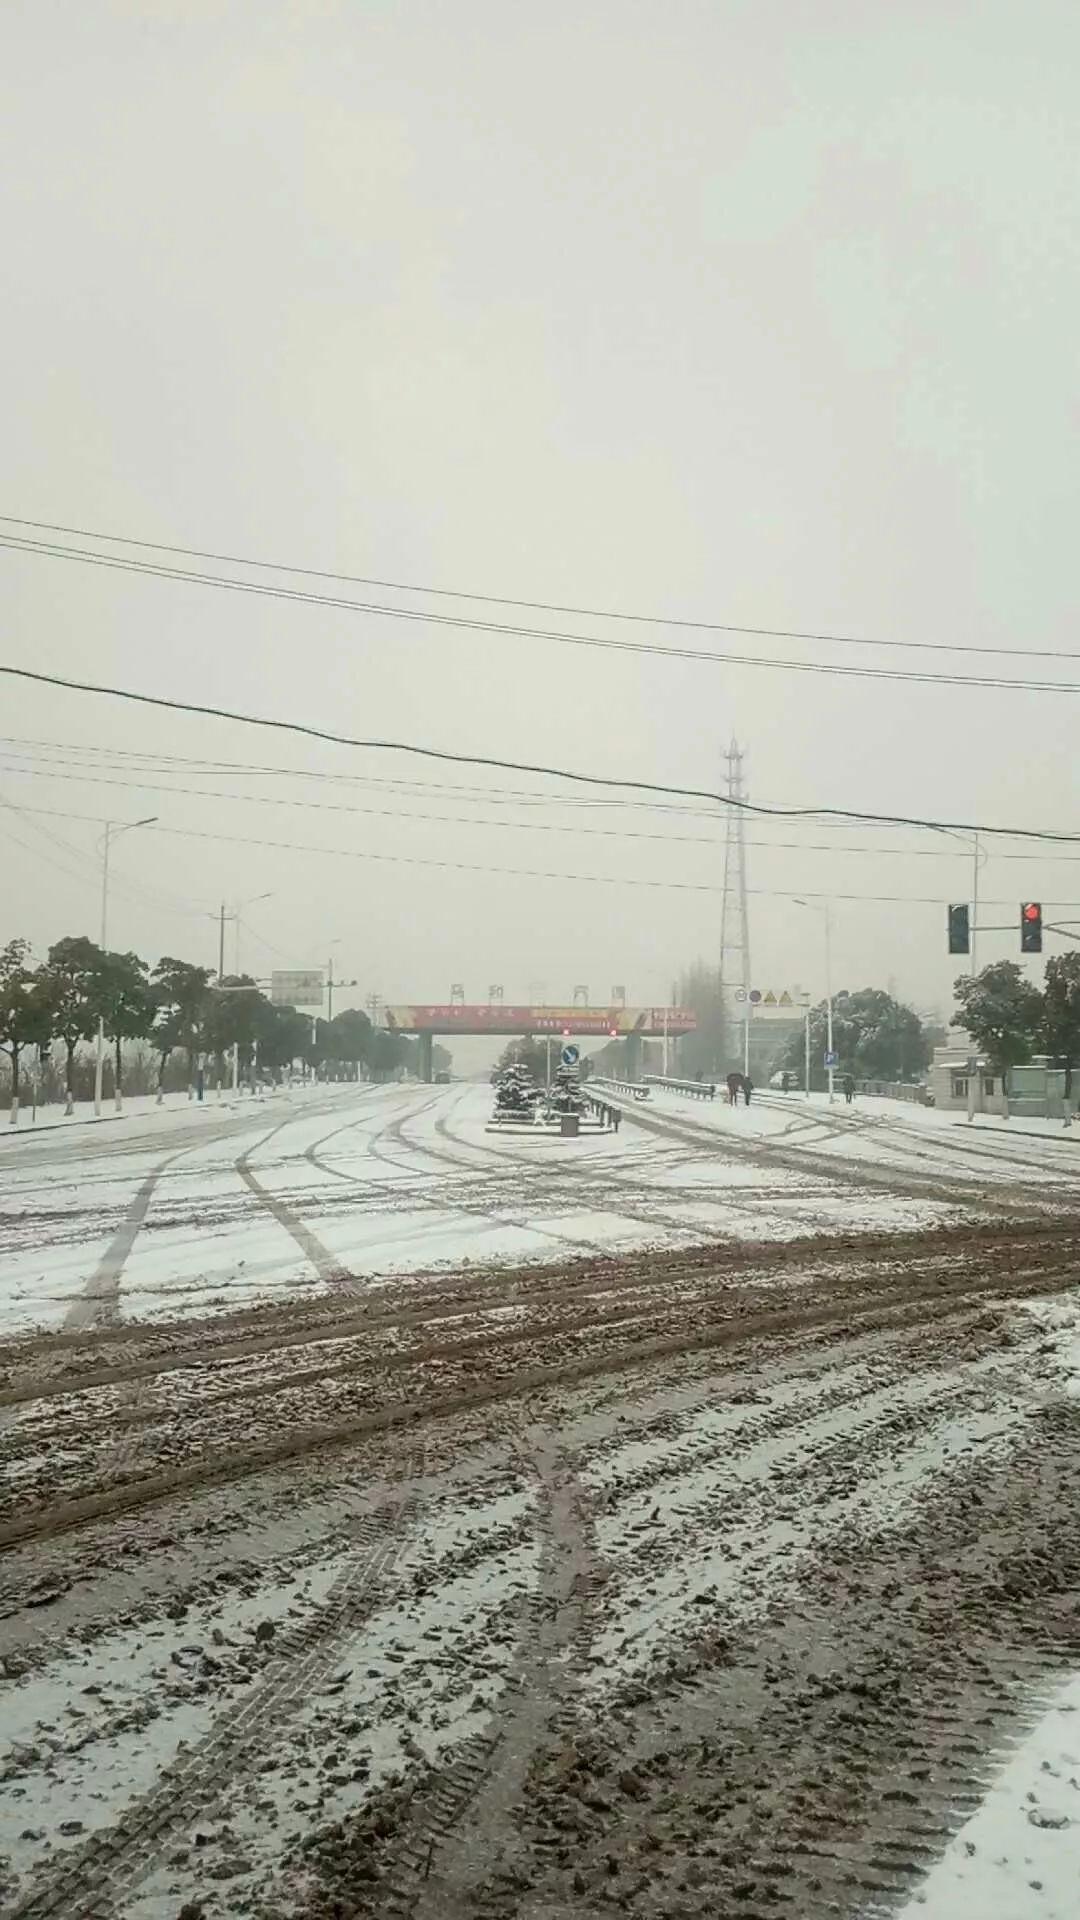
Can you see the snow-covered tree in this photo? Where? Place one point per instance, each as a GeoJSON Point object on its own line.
{"type": "Point", "coordinates": [515, 1094]}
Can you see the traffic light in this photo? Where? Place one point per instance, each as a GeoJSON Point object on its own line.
{"type": "Point", "coordinates": [959, 929]}
{"type": "Point", "coordinates": [1031, 926]}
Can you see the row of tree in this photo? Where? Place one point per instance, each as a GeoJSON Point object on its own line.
{"type": "Point", "coordinates": [1009, 1019]}
{"type": "Point", "coordinates": [175, 1007]}
{"type": "Point", "coordinates": [875, 1037]}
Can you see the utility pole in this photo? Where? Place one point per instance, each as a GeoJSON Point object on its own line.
{"type": "Point", "coordinates": [99, 1063]}
{"type": "Point", "coordinates": [812, 907]}
{"type": "Point", "coordinates": [221, 946]}
{"type": "Point", "coordinates": [331, 983]}
{"type": "Point", "coordinates": [734, 916]}
{"type": "Point", "coordinates": [828, 990]}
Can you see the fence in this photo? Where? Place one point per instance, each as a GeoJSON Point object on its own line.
{"type": "Point", "coordinates": [613, 1085]}
{"type": "Point", "coordinates": [695, 1089]}
{"type": "Point", "coordinates": [895, 1090]}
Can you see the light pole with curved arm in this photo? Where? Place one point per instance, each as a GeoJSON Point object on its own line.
{"type": "Point", "coordinates": [813, 907]}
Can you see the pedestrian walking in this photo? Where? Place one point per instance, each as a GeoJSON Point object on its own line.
{"type": "Point", "coordinates": [849, 1088]}
{"type": "Point", "coordinates": [747, 1088]}
{"type": "Point", "coordinates": [616, 1117]}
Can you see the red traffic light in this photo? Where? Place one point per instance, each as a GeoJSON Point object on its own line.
{"type": "Point", "coordinates": [566, 1033]}
{"type": "Point", "coordinates": [614, 1032]}
{"type": "Point", "coordinates": [1031, 926]}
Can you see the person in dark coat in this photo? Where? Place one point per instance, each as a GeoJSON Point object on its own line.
{"type": "Point", "coordinates": [747, 1088]}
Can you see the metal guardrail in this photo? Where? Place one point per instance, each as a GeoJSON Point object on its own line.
{"type": "Point", "coordinates": [895, 1090]}
{"type": "Point", "coordinates": [637, 1087]}
{"type": "Point", "coordinates": [695, 1089]}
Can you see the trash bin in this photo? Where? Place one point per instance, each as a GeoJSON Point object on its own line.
{"type": "Point", "coordinates": [570, 1126]}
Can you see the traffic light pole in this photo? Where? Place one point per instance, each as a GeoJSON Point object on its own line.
{"type": "Point", "coordinates": [973, 1064]}
{"type": "Point", "coordinates": [975, 906]}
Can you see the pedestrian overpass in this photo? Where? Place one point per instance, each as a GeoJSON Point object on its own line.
{"type": "Point", "coordinates": [632, 1024]}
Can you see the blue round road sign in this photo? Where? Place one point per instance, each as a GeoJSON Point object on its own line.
{"type": "Point", "coordinates": [571, 1056]}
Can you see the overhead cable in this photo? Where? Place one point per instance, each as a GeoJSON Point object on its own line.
{"type": "Point", "coordinates": [758, 807]}
{"type": "Point", "coordinates": [984, 682]}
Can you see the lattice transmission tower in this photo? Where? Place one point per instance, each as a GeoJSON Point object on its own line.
{"type": "Point", "coordinates": [735, 977]}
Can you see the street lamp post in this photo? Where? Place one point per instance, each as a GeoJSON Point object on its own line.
{"type": "Point", "coordinates": [235, 917]}
{"type": "Point", "coordinates": [814, 908]}
{"type": "Point", "coordinates": [655, 977]}
{"type": "Point", "coordinates": [126, 826]}
{"type": "Point", "coordinates": [331, 983]}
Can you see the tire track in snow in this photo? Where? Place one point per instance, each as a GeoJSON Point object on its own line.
{"type": "Point", "coordinates": [91, 1880]}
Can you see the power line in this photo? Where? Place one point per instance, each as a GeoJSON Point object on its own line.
{"type": "Point", "coordinates": [534, 873]}
{"type": "Point", "coordinates": [56, 766]}
{"type": "Point", "coordinates": [221, 582]}
{"type": "Point", "coordinates": [70, 869]}
{"type": "Point", "coordinates": [76, 858]}
{"type": "Point", "coordinates": [466, 794]}
{"type": "Point", "coordinates": [533, 606]}
{"type": "Point", "coordinates": [573, 828]}
{"type": "Point", "coordinates": [523, 766]}
{"type": "Point", "coordinates": [261, 940]}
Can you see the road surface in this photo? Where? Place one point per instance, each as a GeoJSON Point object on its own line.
{"type": "Point", "coordinates": [400, 1519]}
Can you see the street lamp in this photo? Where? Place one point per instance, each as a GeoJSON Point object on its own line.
{"type": "Point", "coordinates": [331, 983]}
{"type": "Point", "coordinates": [127, 826]}
{"type": "Point", "coordinates": [235, 916]}
{"type": "Point", "coordinates": [655, 974]}
{"type": "Point", "coordinates": [813, 907]}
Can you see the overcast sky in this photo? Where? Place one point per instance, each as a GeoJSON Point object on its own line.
{"type": "Point", "coordinates": [760, 313]}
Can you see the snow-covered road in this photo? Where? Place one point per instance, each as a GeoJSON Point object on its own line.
{"type": "Point", "coordinates": [185, 1211]}
{"type": "Point", "coordinates": [400, 1519]}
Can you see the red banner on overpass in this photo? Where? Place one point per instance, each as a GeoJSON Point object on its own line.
{"type": "Point", "coordinates": [602, 1022]}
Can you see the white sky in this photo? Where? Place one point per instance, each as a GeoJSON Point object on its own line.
{"type": "Point", "coordinates": [754, 313]}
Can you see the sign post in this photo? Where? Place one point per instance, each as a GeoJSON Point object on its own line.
{"type": "Point", "coordinates": [753, 1001]}
{"type": "Point", "coordinates": [297, 987]}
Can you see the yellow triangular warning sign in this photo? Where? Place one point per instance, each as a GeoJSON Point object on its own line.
{"type": "Point", "coordinates": [785, 999]}
{"type": "Point", "coordinates": [770, 999]}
